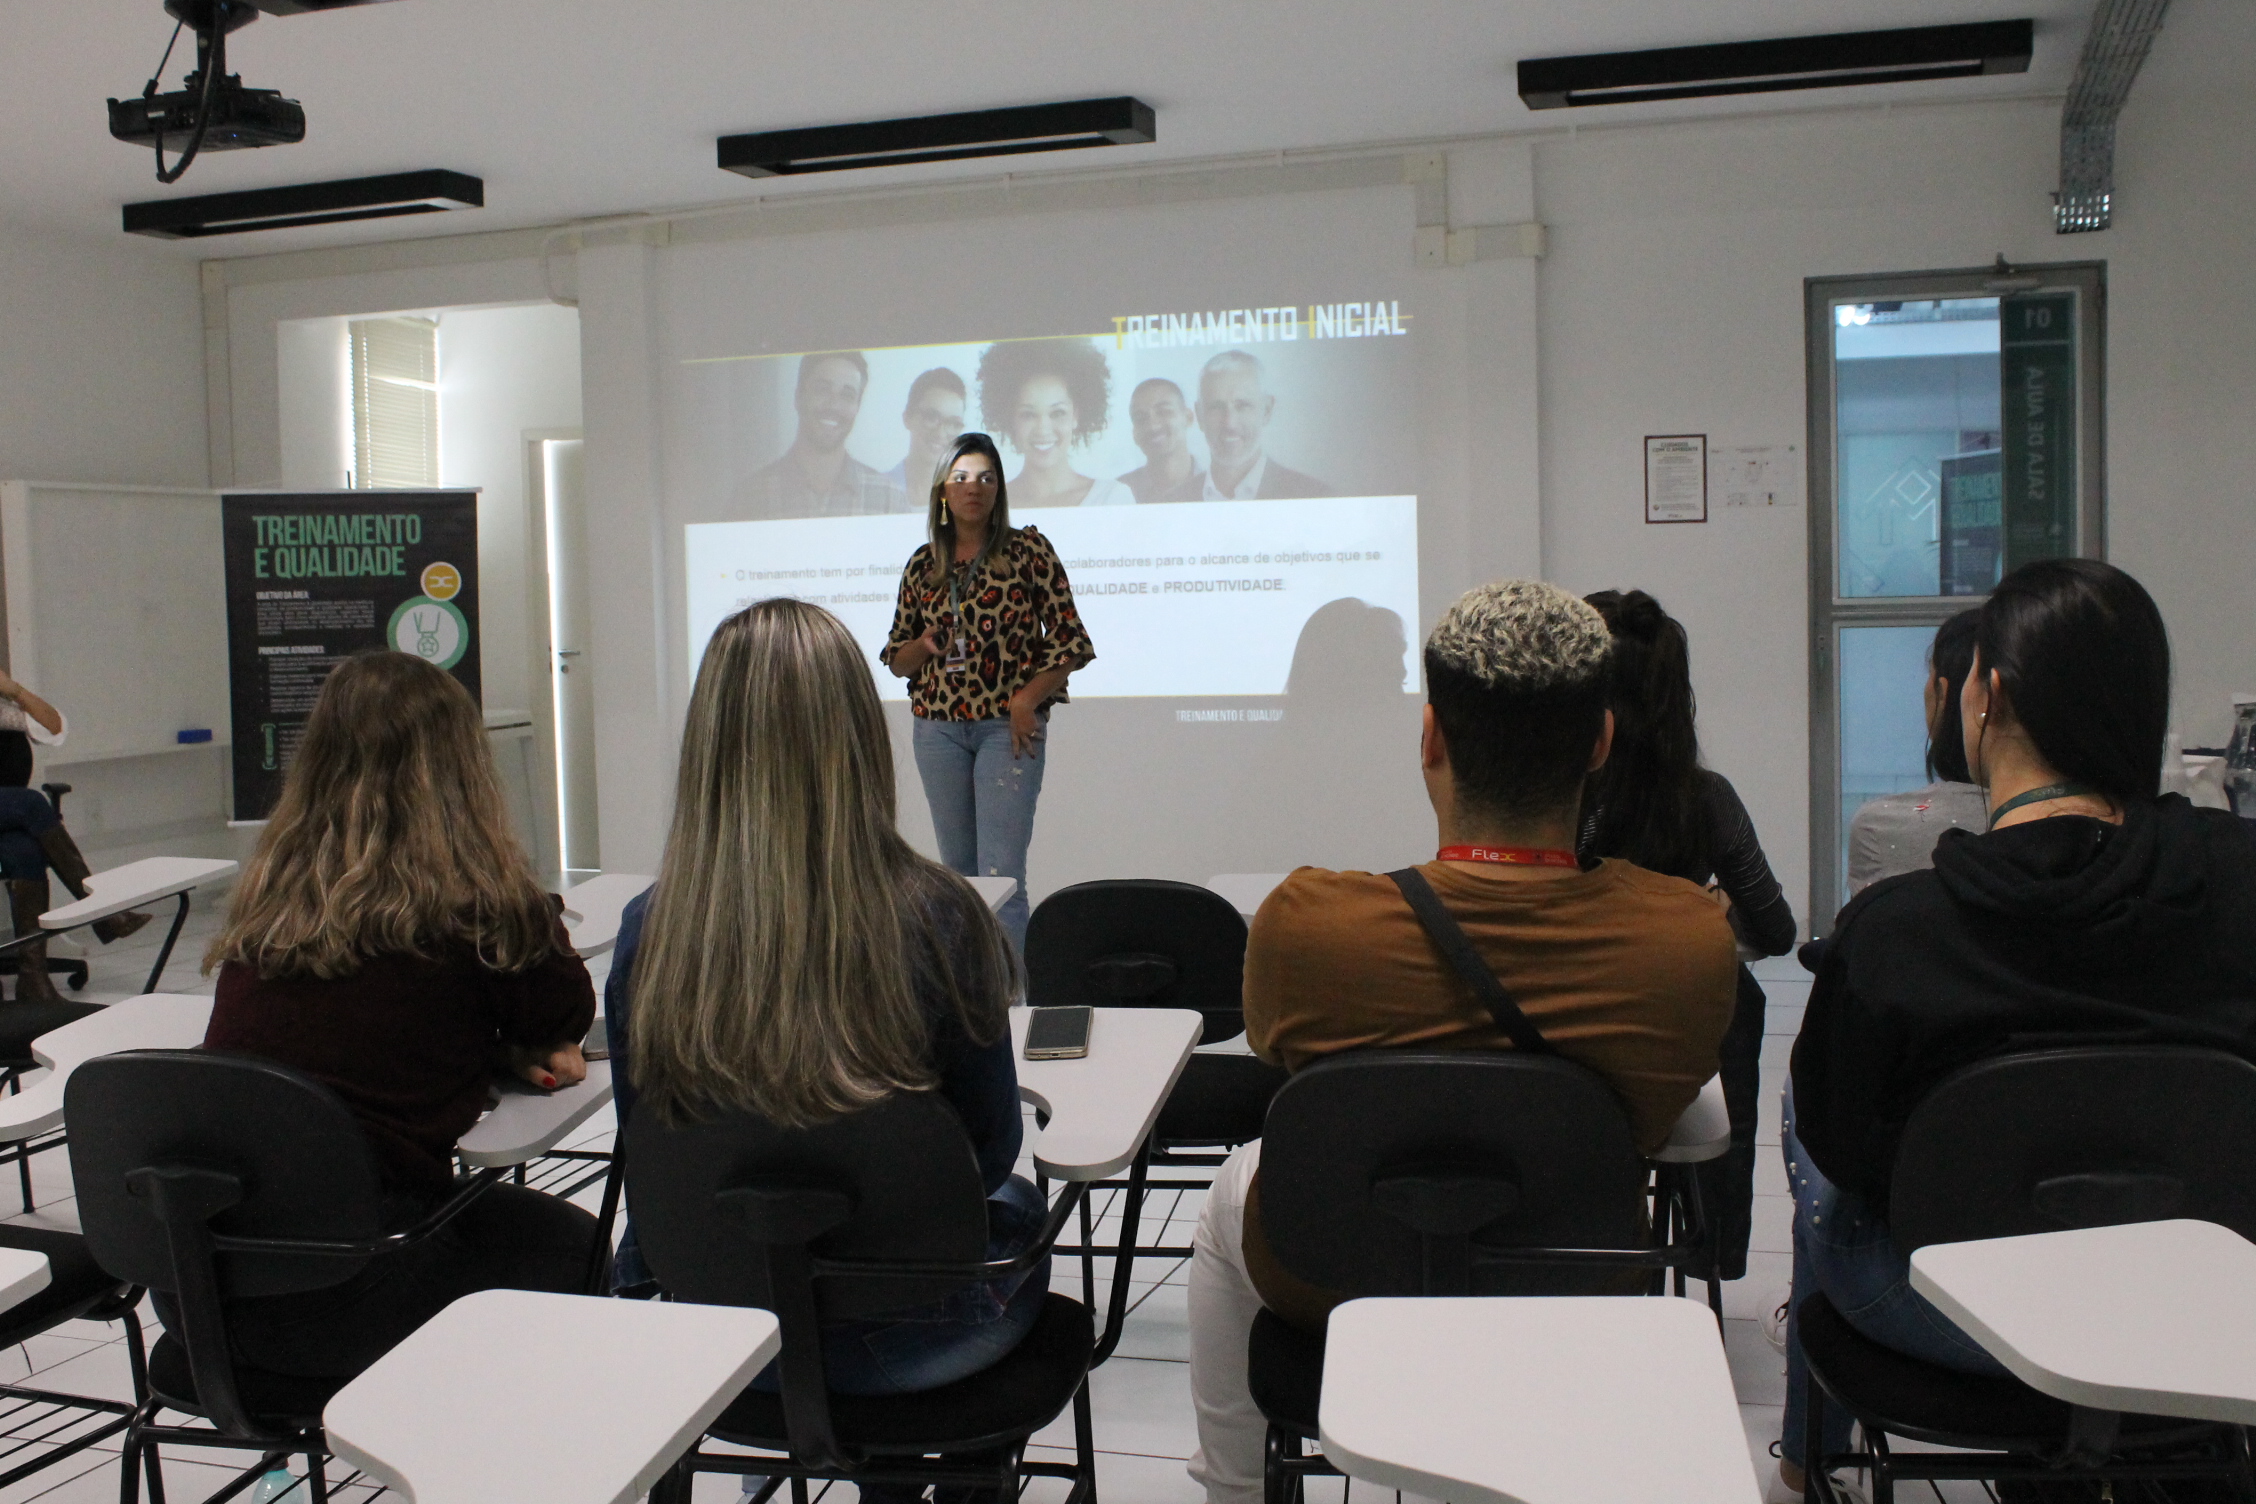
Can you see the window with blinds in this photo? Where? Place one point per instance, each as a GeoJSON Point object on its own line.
{"type": "Point", "coordinates": [395, 401]}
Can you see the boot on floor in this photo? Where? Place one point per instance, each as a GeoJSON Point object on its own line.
{"type": "Point", "coordinates": [70, 865]}
{"type": "Point", "coordinates": [27, 900]}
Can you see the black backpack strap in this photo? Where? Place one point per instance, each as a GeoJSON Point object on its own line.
{"type": "Point", "coordinates": [1449, 938]}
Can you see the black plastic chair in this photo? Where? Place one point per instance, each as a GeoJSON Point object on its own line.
{"type": "Point", "coordinates": [77, 1289]}
{"type": "Point", "coordinates": [207, 1177]}
{"type": "Point", "coordinates": [2089, 1136]}
{"type": "Point", "coordinates": [1460, 1172]}
{"type": "Point", "coordinates": [865, 1213]}
{"type": "Point", "coordinates": [1148, 943]}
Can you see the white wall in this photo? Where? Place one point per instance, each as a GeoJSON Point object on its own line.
{"type": "Point", "coordinates": [313, 358]}
{"type": "Point", "coordinates": [2181, 430]}
{"type": "Point", "coordinates": [101, 362]}
{"type": "Point", "coordinates": [1670, 301]}
{"type": "Point", "coordinates": [506, 376]}
{"type": "Point", "coordinates": [504, 373]}
{"type": "Point", "coordinates": [102, 380]}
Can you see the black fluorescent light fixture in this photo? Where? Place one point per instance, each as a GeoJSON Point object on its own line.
{"type": "Point", "coordinates": [1850, 57]}
{"type": "Point", "coordinates": [941, 138]}
{"type": "Point", "coordinates": [384, 197]}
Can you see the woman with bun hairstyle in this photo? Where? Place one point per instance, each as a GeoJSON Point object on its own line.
{"type": "Point", "coordinates": [389, 939]}
{"type": "Point", "coordinates": [1655, 805]}
{"type": "Point", "coordinates": [2093, 905]}
{"type": "Point", "coordinates": [1050, 397]}
{"type": "Point", "coordinates": [986, 633]}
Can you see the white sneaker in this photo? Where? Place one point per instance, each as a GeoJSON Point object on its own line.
{"type": "Point", "coordinates": [1774, 1328]}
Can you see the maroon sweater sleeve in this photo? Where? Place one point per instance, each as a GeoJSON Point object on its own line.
{"type": "Point", "coordinates": [409, 1044]}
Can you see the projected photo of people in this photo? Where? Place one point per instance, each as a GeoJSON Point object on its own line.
{"type": "Point", "coordinates": [1160, 418]}
{"type": "Point", "coordinates": [1208, 481]}
{"type": "Point", "coordinates": [934, 416]}
{"type": "Point", "coordinates": [1235, 407]}
{"type": "Point", "coordinates": [1046, 398]}
{"type": "Point", "coordinates": [815, 476]}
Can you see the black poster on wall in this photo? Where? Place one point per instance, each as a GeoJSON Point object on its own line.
{"type": "Point", "coordinates": [314, 578]}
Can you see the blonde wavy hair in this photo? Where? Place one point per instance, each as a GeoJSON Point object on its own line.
{"type": "Point", "coordinates": [390, 837]}
{"type": "Point", "coordinates": [792, 929]}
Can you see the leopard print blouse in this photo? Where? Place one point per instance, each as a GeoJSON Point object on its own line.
{"type": "Point", "coordinates": [1019, 622]}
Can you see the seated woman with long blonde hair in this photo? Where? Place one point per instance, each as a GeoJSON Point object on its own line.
{"type": "Point", "coordinates": [390, 940]}
{"type": "Point", "coordinates": [798, 960]}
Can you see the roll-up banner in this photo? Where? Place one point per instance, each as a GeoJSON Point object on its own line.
{"type": "Point", "coordinates": [315, 577]}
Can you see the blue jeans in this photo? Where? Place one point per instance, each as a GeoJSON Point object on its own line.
{"type": "Point", "coordinates": [25, 816]}
{"type": "Point", "coordinates": [1842, 1250]}
{"type": "Point", "coordinates": [907, 1352]}
{"type": "Point", "coordinates": [982, 802]}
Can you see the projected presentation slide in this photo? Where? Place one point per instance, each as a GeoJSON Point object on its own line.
{"type": "Point", "coordinates": [1211, 482]}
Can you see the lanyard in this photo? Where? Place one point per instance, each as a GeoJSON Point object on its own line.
{"type": "Point", "coordinates": [959, 646]}
{"type": "Point", "coordinates": [2038, 796]}
{"type": "Point", "coordinates": [1515, 856]}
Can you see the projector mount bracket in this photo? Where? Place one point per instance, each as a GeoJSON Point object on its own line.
{"type": "Point", "coordinates": [211, 20]}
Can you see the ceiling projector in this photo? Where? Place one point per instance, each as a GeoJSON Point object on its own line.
{"type": "Point", "coordinates": [212, 111]}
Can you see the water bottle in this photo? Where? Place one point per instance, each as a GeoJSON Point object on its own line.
{"type": "Point", "coordinates": [2240, 761]}
{"type": "Point", "coordinates": [278, 1486]}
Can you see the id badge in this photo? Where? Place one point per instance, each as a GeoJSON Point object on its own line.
{"type": "Point", "coordinates": [959, 655]}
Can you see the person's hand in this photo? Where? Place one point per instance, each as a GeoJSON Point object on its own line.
{"type": "Point", "coordinates": [1026, 727]}
{"type": "Point", "coordinates": [910, 657]}
{"type": "Point", "coordinates": [550, 1070]}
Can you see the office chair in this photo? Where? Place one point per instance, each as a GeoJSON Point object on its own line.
{"type": "Point", "coordinates": [2085, 1136]}
{"type": "Point", "coordinates": [862, 1214]}
{"type": "Point", "coordinates": [1147, 943]}
{"type": "Point", "coordinates": [207, 1177]}
{"type": "Point", "coordinates": [1458, 1172]}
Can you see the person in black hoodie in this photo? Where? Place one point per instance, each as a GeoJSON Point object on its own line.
{"type": "Point", "coordinates": [1655, 805]}
{"type": "Point", "coordinates": [2093, 906]}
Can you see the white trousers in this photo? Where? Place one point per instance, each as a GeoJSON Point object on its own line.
{"type": "Point", "coordinates": [1223, 1303]}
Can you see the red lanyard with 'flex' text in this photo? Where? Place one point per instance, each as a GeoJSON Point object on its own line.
{"type": "Point", "coordinates": [1515, 856]}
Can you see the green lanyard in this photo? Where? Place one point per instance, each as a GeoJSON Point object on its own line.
{"type": "Point", "coordinates": [2038, 796]}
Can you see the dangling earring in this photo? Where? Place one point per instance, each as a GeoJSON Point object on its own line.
{"type": "Point", "coordinates": [946, 516]}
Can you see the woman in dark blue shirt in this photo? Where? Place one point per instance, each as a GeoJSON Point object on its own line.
{"type": "Point", "coordinates": [797, 959]}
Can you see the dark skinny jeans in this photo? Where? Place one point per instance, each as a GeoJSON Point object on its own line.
{"type": "Point", "coordinates": [25, 816]}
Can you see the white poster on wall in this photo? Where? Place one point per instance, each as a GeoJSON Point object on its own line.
{"type": "Point", "coordinates": [1676, 477]}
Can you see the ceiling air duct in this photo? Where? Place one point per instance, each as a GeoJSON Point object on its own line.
{"type": "Point", "coordinates": [2121, 33]}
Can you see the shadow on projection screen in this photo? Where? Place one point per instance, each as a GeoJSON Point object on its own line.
{"type": "Point", "coordinates": [1233, 496]}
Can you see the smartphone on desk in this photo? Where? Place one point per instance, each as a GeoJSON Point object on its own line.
{"type": "Point", "coordinates": [1057, 1034]}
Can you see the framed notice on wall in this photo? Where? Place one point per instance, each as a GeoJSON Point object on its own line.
{"type": "Point", "coordinates": [1676, 477]}
{"type": "Point", "coordinates": [313, 579]}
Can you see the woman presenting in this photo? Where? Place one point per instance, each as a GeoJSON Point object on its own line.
{"type": "Point", "coordinates": [985, 633]}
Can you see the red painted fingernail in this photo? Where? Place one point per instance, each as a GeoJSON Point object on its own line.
{"type": "Point", "coordinates": [548, 1081]}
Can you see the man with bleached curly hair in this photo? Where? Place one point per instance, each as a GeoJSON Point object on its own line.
{"type": "Point", "coordinates": [1627, 972]}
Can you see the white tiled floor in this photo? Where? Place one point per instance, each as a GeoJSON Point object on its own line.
{"type": "Point", "coordinates": [1143, 1423]}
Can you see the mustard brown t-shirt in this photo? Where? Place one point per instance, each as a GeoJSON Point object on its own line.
{"type": "Point", "coordinates": [1627, 972]}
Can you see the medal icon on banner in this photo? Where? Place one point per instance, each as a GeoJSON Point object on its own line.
{"type": "Point", "coordinates": [431, 625]}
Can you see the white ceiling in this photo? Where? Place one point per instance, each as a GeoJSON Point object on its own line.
{"type": "Point", "coordinates": [575, 108]}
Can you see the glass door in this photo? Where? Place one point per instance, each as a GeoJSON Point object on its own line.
{"type": "Point", "coordinates": [1954, 435]}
